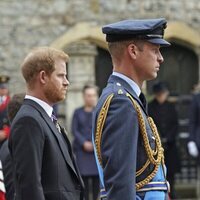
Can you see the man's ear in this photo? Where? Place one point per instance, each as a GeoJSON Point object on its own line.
{"type": "Point", "coordinates": [43, 77]}
{"type": "Point", "coordinates": [132, 50]}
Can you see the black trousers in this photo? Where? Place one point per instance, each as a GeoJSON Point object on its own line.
{"type": "Point", "coordinates": [91, 187]}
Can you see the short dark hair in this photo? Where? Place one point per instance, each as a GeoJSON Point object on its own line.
{"type": "Point", "coordinates": [90, 86]}
{"type": "Point", "coordinates": [14, 105]}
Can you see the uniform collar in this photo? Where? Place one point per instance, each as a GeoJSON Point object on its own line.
{"type": "Point", "coordinates": [48, 109]}
{"type": "Point", "coordinates": [119, 81]}
{"type": "Point", "coordinates": [132, 83]}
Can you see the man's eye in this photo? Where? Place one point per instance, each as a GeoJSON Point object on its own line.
{"type": "Point", "coordinates": [61, 75]}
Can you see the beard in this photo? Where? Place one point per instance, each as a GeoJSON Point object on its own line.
{"type": "Point", "coordinates": [53, 93]}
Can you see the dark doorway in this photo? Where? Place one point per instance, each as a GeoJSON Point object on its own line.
{"type": "Point", "coordinates": [179, 70]}
{"type": "Point", "coordinates": [103, 68]}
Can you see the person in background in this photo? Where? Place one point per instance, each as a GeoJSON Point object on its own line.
{"type": "Point", "coordinates": [4, 100]}
{"type": "Point", "coordinates": [165, 116]}
{"type": "Point", "coordinates": [194, 125]}
{"type": "Point", "coordinates": [4, 124]}
{"type": "Point", "coordinates": [83, 147]}
{"type": "Point", "coordinates": [13, 107]}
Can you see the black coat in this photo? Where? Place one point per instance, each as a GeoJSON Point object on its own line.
{"type": "Point", "coordinates": [44, 167]}
{"type": "Point", "coordinates": [166, 120]}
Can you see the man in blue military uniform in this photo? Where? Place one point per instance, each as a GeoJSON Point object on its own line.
{"type": "Point", "coordinates": [128, 150]}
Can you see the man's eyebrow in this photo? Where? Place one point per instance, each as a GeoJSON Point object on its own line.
{"type": "Point", "coordinates": [62, 74]}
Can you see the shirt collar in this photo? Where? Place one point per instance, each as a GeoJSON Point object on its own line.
{"type": "Point", "coordinates": [132, 83]}
{"type": "Point", "coordinates": [43, 104]}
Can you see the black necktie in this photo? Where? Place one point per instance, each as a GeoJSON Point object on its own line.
{"type": "Point", "coordinates": [143, 100]}
{"type": "Point", "coordinates": [55, 121]}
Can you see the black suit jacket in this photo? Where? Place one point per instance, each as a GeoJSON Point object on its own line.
{"type": "Point", "coordinates": [44, 167]}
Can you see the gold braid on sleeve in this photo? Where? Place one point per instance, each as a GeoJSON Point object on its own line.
{"type": "Point", "coordinates": [155, 157]}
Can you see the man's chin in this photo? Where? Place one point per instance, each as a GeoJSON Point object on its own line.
{"type": "Point", "coordinates": [152, 77]}
{"type": "Point", "coordinates": [59, 99]}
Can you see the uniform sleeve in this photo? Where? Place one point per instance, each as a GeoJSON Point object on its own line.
{"type": "Point", "coordinates": [26, 145]}
{"type": "Point", "coordinates": [119, 149]}
{"type": "Point", "coordinates": [76, 130]}
{"type": "Point", "coordinates": [193, 118]}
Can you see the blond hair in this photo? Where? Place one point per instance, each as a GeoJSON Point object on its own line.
{"type": "Point", "coordinates": [41, 59]}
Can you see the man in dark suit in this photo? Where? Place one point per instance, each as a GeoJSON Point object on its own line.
{"type": "Point", "coordinates": [127, 145]}
{"type": "Point", "coordinates": [44, 167]}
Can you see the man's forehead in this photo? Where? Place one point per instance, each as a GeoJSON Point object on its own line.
{"type": "Point", "coordinates": [60, 64]}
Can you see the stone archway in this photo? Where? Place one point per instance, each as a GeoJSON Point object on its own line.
{"type": "Point", "coordinates": [81, 31]}
{"type": "Point", "coordinates": [182, 34]}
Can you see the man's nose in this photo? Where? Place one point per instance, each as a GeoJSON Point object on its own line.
{"type": "Point", "coordinates": [66, 82]}
{"type": "Point", "coordinates": [160, 58]}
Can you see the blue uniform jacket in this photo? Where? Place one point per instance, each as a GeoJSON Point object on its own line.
{"type": "Point", "coordinates": [122, 147]}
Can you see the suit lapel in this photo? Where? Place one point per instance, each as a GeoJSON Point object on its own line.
{"type": "Point", "coordinates": [64, 132]}
{"type": "Point", "coordinates": [58, 136]}
{"type": "Point", "coordinates": [63, 146]}
{"type": "Point", "coordinates": [115, 79]}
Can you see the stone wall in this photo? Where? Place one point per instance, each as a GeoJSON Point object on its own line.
{"type": "Point", "coordinates": [28, 23]}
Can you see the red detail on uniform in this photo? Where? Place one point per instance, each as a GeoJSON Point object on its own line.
{"type": "Point", "coordinates": [6, 130]}
{"type": "Point", "coordinates": [4, 105]}
{"type": "Point", "coordinates": [2, 196]}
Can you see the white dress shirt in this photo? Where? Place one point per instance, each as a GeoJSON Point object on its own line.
{"type": "Point", "coordinates": [43, 104]}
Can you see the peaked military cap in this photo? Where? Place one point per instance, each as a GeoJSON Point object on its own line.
{"type": "Point", "coordinates": [151, 30]}
{"type": "Point", "coordinates": [3, 81]}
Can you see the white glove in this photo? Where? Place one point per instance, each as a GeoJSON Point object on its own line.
{"type": "Point", "coordinates": [192, 148]}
